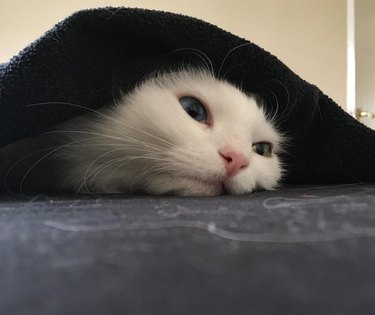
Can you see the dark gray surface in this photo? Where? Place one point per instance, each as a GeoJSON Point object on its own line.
{"type": "Point", "coordinates": [300, 250]}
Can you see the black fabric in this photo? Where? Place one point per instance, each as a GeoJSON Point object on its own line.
{"type": "Point", "coordinates": [302, 250]}
{"type": "Point", "coordinates": [93, 54]}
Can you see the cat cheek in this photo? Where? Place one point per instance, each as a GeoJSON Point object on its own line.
{"type": "Point", "coordinates": [269, 174]}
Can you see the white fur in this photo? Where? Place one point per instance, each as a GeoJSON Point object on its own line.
{"type": "Point", "coordinates": [147, 143]}
{"type": "Point", "coordinates": [158, 148]}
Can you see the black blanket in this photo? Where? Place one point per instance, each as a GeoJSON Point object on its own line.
{"type": "Point", "coordinates": [90, 56]}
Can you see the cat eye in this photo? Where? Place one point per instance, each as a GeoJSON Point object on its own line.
{"type": "Point", "coordinates": [194, 108]}
{"type": "Point", "coordinates": [263, 148]}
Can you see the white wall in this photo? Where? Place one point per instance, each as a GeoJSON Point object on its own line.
{"type": "Point", "coordinates": [309, 36]}
{"type": "Point", "coordinates": [365, 57]}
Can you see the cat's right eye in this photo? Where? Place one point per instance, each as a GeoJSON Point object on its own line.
{"type": "Point", "coordinates": [194, 108]}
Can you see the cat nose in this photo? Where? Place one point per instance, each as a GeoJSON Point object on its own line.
{"type": "Point", "coordinates": [234, 161]}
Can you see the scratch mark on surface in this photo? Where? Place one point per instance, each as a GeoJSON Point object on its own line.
{"type": "Point", "coordinates": [284, 202]}
{"type": "Point", "coordinates": [80, 228]}
{"type": "Point", "coordinates": [318, 187]}
{"type": "Point", "coordinates": [344, 234]}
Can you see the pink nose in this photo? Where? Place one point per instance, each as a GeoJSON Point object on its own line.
{"type": "Point", "coordinates": [234, 161]}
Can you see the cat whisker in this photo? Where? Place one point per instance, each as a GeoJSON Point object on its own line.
{"type": "Point", "coordinates": [84, 132]}
{"type": "Point", "coordinates": [161, 168]}
{"type": "Point", "coordinates": [156, 170]}
{"type": "Point", "coordinates": [124, 138]}
{"type": "Point", "coordinates": [98, 170]}
{"type": "Point", "coordinates": [287, 110]}
{"type": "Point", "coordinates": [206, 66]}
{"type": "Point", "coordinates": [228, 54]}
{"type": "Point", "coordinates": [231, 68]}
{"type": "Point", "coordinates": [6, 175]}
{"type": "Point", "coordinates": [270, 113]}
{"type": "Point", "coordinates": [69, 104]}
{"type": "Point", "coordinates": [86, 175]}
{"type": "Point", "coordinates": [152, 136]}
{"type": "Point", "coordinates": [41, 159]}
{"type": "Point", "coordinates": [149, 134]}
{"type": "Point", "coordinates": [206, 60]}
{"type": "Point", "coordinates": [276, 110]}
{"type": "Point", "coordinates": [100, 114]}
{"type": "Point", "coordinates": [149, 172]}
{"type": "Point", "coordinates": [122, 148]}
{"type": "Point", "coordinates": [123, 161]}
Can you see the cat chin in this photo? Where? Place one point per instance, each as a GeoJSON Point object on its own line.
{"type": "Point", "coordinates": [186, 186]}
{"type": "Point", "coordinates": [181, 186]}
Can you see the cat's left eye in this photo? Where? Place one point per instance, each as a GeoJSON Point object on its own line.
{"type": "Point", "coordinates": [194, 108]}
{"type": "Point", "coordinates": [263, 148]}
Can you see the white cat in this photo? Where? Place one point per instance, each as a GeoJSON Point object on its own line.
{"type": "Point", "coordinates": [183, 133]}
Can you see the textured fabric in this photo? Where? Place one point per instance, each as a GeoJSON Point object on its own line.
{"type": "Point", "coordinates": [88, 58]}
{"type": "Point", "coordinates": [303, 250]}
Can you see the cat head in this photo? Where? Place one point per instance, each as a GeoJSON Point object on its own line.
{"type": "Point", "coordinates": [186, 133]}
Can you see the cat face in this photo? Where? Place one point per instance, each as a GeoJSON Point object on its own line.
{"type": "Point", "coordinates": [183, 133]}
